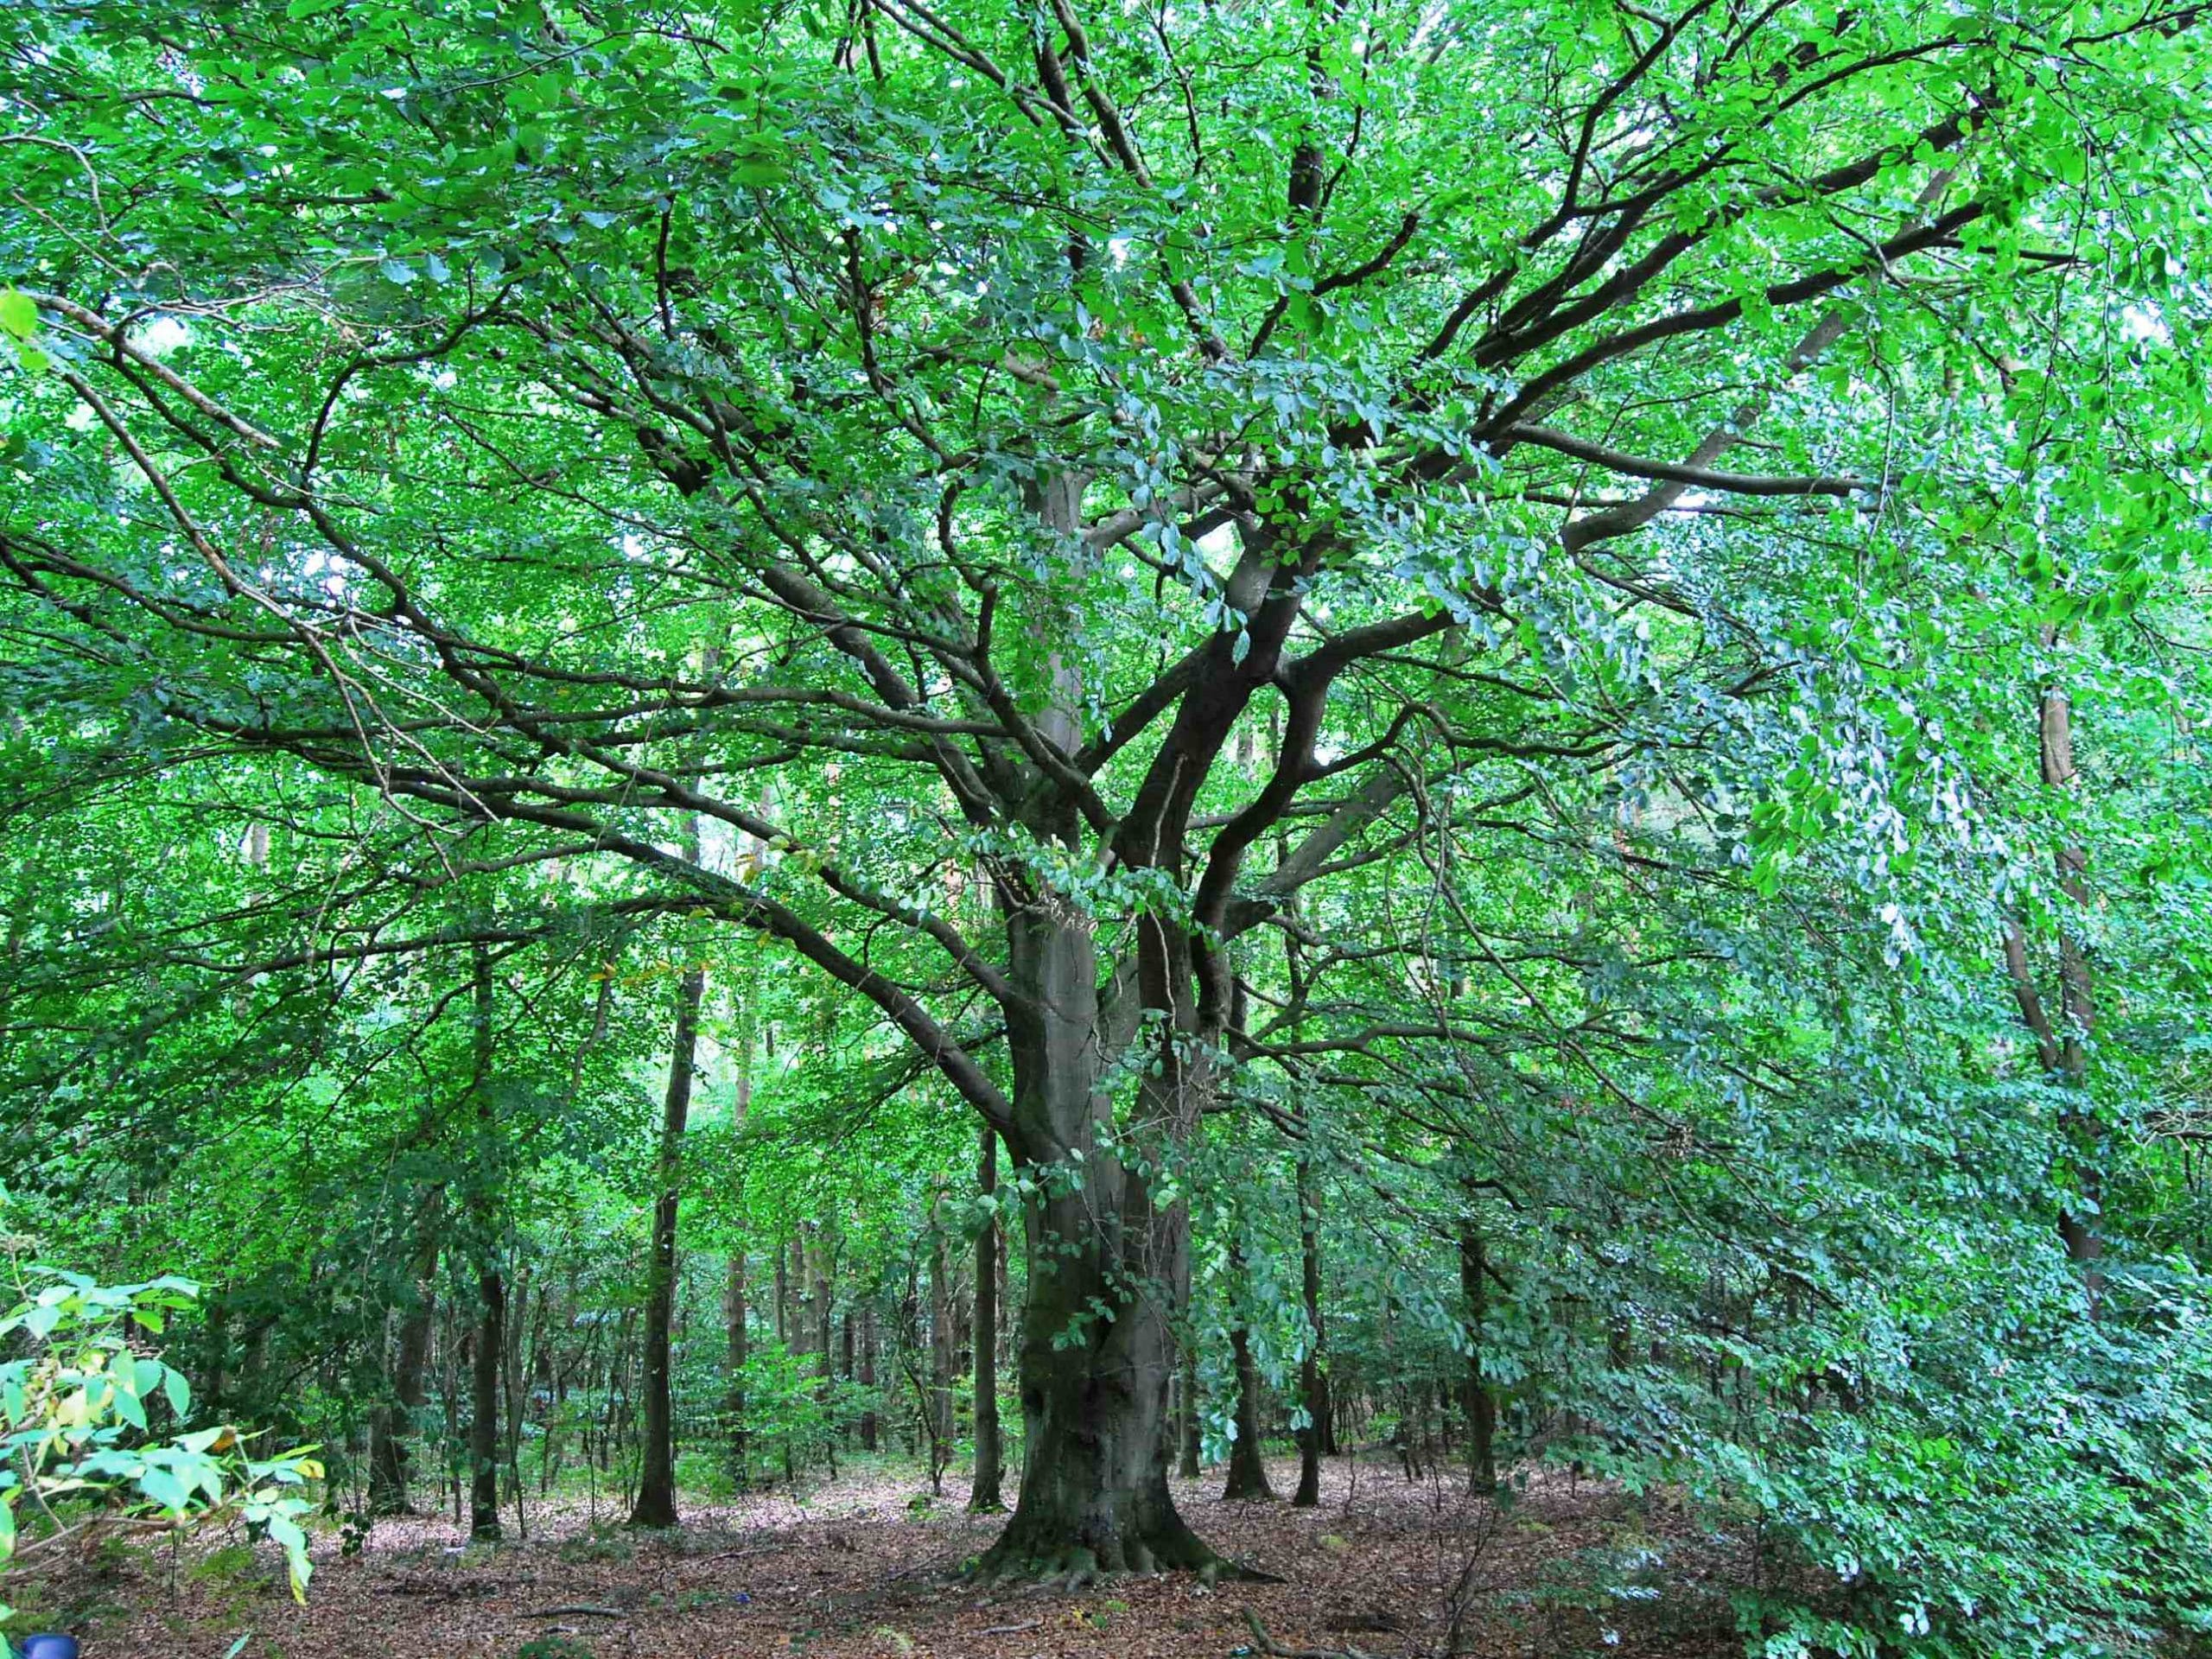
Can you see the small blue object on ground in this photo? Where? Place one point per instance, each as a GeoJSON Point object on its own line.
{"type": "Point", "coordinates": [49, 1647]}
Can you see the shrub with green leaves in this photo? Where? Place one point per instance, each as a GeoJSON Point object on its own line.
{"type": "Point", "coordinates": [79, 1401]}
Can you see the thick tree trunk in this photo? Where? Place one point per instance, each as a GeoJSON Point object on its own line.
{"type": "Point", "coordinates": [1313, 1368]}
{"type": "Point", "coordinates": [1104, 1263]}
{"type": "Point", "coordinates": [983, 1495]}
{"type": "Point", "coordinates": [1106, 1260]}
{"type": "Point", "coordinates": [1094, 1485]}
{"type": "Point", "coordinates": [655, 1504]}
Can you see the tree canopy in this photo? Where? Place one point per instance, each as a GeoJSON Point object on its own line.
{"type": "Point", "coordinates": [1548, 655]}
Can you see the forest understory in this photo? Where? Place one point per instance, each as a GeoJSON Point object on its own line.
{"type": "Point", "coordinates": [864, 1567]}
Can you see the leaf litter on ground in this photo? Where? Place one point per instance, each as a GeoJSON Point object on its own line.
{"type": "Point", "coordinates": [855, 1570]}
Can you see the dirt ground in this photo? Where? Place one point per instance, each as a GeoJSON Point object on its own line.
{"type": "Point", "coordinates": [861, 1567]}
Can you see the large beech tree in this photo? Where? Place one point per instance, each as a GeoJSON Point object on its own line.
{"type": "Point", "coordinates": [1127, 471]}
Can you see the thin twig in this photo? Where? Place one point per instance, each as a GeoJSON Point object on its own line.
{"type": "Point", "coordinates": [575, 1608]}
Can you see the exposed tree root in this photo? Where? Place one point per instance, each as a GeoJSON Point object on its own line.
{"type": "Point", "coordinates": [574, 1610]}
{"type": "Point", "coordinates": [1264, 1643]}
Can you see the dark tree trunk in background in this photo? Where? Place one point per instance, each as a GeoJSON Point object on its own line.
{"type": "Point", "coordinates": [867, 1378]}
{"type": "Point", "coordinates": [783, 1299]}
{"type": "Point", "coordinates": [2076, 995]}
{"type": "Point", "coordinates": [739, 1352]}
{"type": "Point", "coordinates": [1313, 1369]}
{"type": "Point", "coordinates": [485, 1346]}
{"type": "Point", "coordinates": [913, 1338]}
{"type": "Point", "coordinates": [2064, 1050]}
{"type": "Point", "coordinates": [941, 1415]}
{"type": "Point", "coordinates": [392, 1425]}
{"type": "Point", "coordinates": [655, 1504]}
{"type": "Point", "coordinates": [516, 1382]}
{"type": "Point", "coordinates": [1189, 1447]}
{"type": "Point", "coordinates": [387, 1449]}
{"type": "Point", "coordinates": [1248, 1469]}
{"type": "Point", "coordinates": [1190, 1467]}
{"type": "Point", "coordinates": [1005, 1304]}
{"type": "Point", "coordinates": [1481, 1404]}
{"type": "Point", "coordinates": [451, 1352]}
{"type": "Point", "coordinates": [983, 1495]}
{"type": "Point", "coordinates": [822, 1271]}
{"type": "Point", "coordinates": [489, 1343]}
{"type": "Point", "coordinates": [733, 1294]}
{"type": "Point", "coordinates": [802, 1288]}
{"type": "Point", "coordinates": [214, 1387]}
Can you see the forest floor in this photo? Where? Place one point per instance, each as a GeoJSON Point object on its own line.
{"type": "Point", "coordinates": [862, 1569]}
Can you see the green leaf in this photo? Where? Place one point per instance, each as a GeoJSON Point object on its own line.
{"type": "Point", "coordinates": [166, 1488]}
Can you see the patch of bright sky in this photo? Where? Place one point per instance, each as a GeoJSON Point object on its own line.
{"type": "Point", "coordinates": [2141, 322]}
{"type": "Point", "coordinates": [161, 335]}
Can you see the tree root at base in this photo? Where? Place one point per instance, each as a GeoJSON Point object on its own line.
{"type": "Point", "coordinates": [1077, 1566]}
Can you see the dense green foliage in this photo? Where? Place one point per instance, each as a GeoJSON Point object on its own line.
{"type": "Point", "coordinates": [1538, 667]}
{"type": "Point", "coordinates": [75, 1420]}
